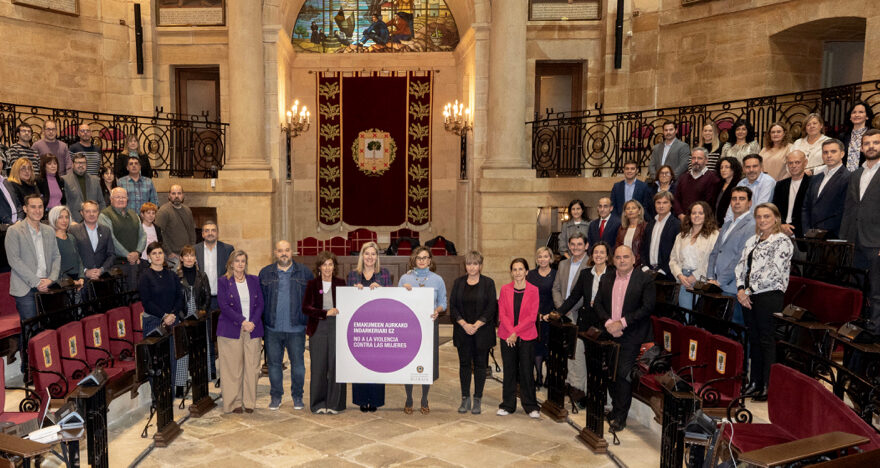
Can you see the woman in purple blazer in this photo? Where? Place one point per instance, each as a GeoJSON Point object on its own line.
{"type": "Point", "coordinates": [239, 333]}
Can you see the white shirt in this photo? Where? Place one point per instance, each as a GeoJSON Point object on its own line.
{"type": "Point", "coordinates": [572, 275]}
{"type": "Point", "coordinates": [245, 296]}
{"type": "Point", "coordinates": [210, 267]}
{"type": "Point", "coordinates": [867, 175]}
{"type": "Point", "coordinates": [829, 173]}
{"type": "Point", "coordinates": [596, 278]}
{"type": "Point", "coordinates": [654, 252]}
{"type": "Point", "coordinates": [699, 174]}
{"type": "Point", "coordinates": [37, 239]}
{"type": "Point", "coordinates": [93, 235]}
{"type": "Point", "coordinates": [628, 238]}
{"type": "Point", "coordinates": [666, 147]}
{"type": "Point", "coordinates": [792, 194]}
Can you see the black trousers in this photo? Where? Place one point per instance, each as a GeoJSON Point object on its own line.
{"type": "Point", "coordinates": [324, 390]}
{"type": "Point", "coordinates": [873, 317]}
{"type": "Point", "coordinates": [621, 389]}
{"type": "Point", "coordinates": [518, 363]}
{"type": "Point", "coordinates": [762, 340]}
{"type": "Point", "coordinates": [472, 360]}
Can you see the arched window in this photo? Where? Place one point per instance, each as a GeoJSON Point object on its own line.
{"type": "Point", "coordinates": [369, 26]}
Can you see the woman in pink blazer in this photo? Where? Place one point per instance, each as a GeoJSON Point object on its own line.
{"type": "Point", "coordinates": [517, 314]}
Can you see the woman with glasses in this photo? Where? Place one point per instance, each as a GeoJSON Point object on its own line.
{"type": "Point", "coordinates": [421, 275]}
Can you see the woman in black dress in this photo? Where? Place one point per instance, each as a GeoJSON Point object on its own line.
{"type": "Point", "coordinates": [473, 310]}
{"type": "Point", "coordinates": [542, 277]}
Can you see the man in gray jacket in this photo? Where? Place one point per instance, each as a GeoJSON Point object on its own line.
{"type": "Point", "coordinates": [670, 152]}
{"type": "Point", "coordinates": [80, 186]}
{"type": "Point", "coordinates": [34, 259]}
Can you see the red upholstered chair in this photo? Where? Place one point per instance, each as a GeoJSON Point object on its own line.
{"type": "Point", "coordinates": [137, 321]}
{"type": "Point", "coordinates": [45, 364]}
{"type": "Point", "coordinates": [97, 336]}
{"type": "Point", "coordinates": [404, 248]}
{"type": "Point", "coordinates": [309, 246]}
{"type": "Point", "coordinates": [830, 304]}
{"type": "Point", "coordinates": [73, 352]}
{"type": "Point", "coordinates": [724, 374]}
{"type": "Point", "coordinates": [695, 348]}
{"type": "Point", "coordinates": [338, 245]}
{"type": "Point", "coordinates": [13, 417]}
{"type": "Point", "coordinates": [359, 237]}
{"type": "Point", "coordinates": [439, 248]}
{"type": "Point", "coordinates": [121, 334]}
{"type": "Point", "coordinates": [403, 233]}
{"type": "Point", "coordinates": [669, 334]}
{"type": "Point", "coordinates": [724, 126]}
{"type": "Point", "coordinates": [10, 323]}
{"type": "Point", "coordinates": [798, 407]}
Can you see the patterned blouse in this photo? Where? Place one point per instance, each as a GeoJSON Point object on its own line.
{"type": "Point", "coordinates": [383, 278]}
{"type": "Point", "coordinates": [739, 152]}
{"type": "Point", "coordinates": [770, 263]}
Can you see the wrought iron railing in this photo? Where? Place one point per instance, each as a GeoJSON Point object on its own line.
{"type": "Point", "coordinates": [181, 145]}
{"type": "Point", "coordinates": [566, 144]}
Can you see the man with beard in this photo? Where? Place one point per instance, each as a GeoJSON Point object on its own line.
{"type": "Point", "coordinates": [177, 224]}
{"type": "Point", "coordinates": [22, 149]}
{"type": "Point", "coordinates": [212, 255]}
{"type": "Point", "coordinates": [284, 286]}
{"type": "Point", "coordinates": [861, 215]}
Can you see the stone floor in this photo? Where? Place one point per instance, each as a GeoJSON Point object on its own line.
{"type": "Point", "coordinates": [388, 437]}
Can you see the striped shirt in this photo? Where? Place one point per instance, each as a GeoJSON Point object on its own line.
{"type": "Point", "coordinates": [18, 150]}
{"type": "Point", "coordinates": [94, 158]}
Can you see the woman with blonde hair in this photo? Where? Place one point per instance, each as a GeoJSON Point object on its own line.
{"type": "Point", "coordinates": [761, 280]}
{"type": "Point", "coordinates": [368, 274]}
{"type": "Point", "coordinates": [777, 144]}
{"type": "Point", "coordinates": [71, 264]}
{"type": "Point", "coordinates": [709, 140]}
{"type": "Point", "coordinates": [21, 178]}
{"type": "Point", "coordinates": [239, 333]}
{"type": "Point", "coordinates": [632, 228]}
{"type": "Point", "coordinates": [811, 143]}
{"type": "Point", "coordinates": [542, 276]}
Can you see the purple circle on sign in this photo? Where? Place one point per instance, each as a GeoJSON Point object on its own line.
{"type": "Point", "coordinates": [384, 335]}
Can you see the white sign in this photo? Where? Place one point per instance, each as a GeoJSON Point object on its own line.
{"type": "Point", "coordinates": [385, 335]}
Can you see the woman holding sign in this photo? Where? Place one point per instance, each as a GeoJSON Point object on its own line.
{"type": "Point", "coordinates": [421, 274]}
{"type": "Point", "coordinates": [326, 395]}
{"type": "Point", "coordinates": [517, 311]}
{"type": "Point", "coordinates": [368, 274]}
{"type": "Point", "coordinates": [474, 313]}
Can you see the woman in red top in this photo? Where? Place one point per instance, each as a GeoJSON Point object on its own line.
{"type": "Point", "coordinates": [517, 313]}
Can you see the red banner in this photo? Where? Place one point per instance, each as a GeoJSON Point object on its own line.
{"type": "Point", "coordinates": [374, 148]}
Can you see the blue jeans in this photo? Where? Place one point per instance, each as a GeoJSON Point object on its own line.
{"type": "Point", "coordinates": [685, 298]}
{"type": "Point", "coordinates": [27, 309]}
{"type": "Point", "coordinates": [295, 343]}
{"type": "Point", "coordinates": [737, 308]}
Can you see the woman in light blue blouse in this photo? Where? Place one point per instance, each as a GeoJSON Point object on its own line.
{"type": "Point", "coordinates": [421, 275]}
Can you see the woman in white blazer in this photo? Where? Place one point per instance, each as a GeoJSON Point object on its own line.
{"type": "Point", "coordinates": [689, 259]}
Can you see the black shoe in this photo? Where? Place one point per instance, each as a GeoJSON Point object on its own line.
{"type": "Point", "coordinates": [371, 408]}
{"type": "Point", "coordinates": [750, 389]}
{"type": "Point", "coordinates": [617, 425]}
{"type": "Point", "coordinates": [582, 403]}
{"type": "Point", "coordinates": [760, 395]}
{"type": "Point", "coordinates": [178, 392]}
{"type": "Point", "coordinates": [365, 408]}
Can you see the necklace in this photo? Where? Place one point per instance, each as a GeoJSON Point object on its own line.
{"type": "Point", "coordinates": [421, 281]}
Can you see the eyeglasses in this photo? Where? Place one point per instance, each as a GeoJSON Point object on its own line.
{"type": "Point", "coordinates": [423, 258]}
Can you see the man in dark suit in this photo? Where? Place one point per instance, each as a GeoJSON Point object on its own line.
{"type": "Point", "coordinates": [604, 228]}
{"type": "Point", "coordinates": [789, 194]}
{"type": "Point", "coordinates": [80, 186]}
{"type": "Point", "coordinates": [823, 206]}
{"type": "Point", "coordinates": [93, 241]}
{"type": "Point", "coordinates": [670, 152]}
{"type": "Point", "coordinates": [212, 256]}
{"type": "Point", "coordinates": [660, 236]}
{"type": "Point", "coordinates": [630, 188]}
{"type": "Point", "coordinates": [861, 215]}
{"type": "Point", "coordinates": [625, 302]}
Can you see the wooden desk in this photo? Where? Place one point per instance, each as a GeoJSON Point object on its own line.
{"type": "Point", "coordinates": [22, 448]}
{"type": "Point", "coordinates": [859, 460]}
{"type": "Point", "coordinates": [789, 452]}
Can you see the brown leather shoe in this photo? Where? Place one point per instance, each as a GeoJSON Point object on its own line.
{"type": "Point", "coordinates": [248, 410]}
{"type": "Point", "coordinates": [425, 409]}
{"type": "Point", "coordinates": [408, 409]}
{"type": "Point", "coordinates": [237, 410]}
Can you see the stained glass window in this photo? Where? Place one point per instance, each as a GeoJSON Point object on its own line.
{"type": "Point", "coordinates": [371, 26]}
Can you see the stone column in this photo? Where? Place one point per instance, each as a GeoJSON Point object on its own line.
{"type": "Point", "coordinates": [245, 140]}
{"type": "Point", "coordinates": [507, 85]}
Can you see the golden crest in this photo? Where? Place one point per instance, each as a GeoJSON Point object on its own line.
{"type": "Point", "coordinates": [374, 151]}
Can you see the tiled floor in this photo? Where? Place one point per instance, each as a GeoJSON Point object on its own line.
{"type": "Point", "coordinates": [388, 437]}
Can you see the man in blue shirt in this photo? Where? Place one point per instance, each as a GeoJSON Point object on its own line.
{"type": "Point", "coordinates": [284, 285]}
{"type": "Point", "coordinates": [630, 188]}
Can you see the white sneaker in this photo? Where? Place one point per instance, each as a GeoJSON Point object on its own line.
{"type": "Point", "coordinates": [321, 411]}
{"type": "Point", "coordinates": [535, 414]}
{"type": "Point", "coordinates": [502, 412]}
{"type": "Point", "coordinates": [331, 411]}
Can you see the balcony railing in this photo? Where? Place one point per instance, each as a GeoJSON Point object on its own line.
{"type": "Point", "coordinates": [566, 144]}
{"type": "Point", "coordinates": [181, 145]}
